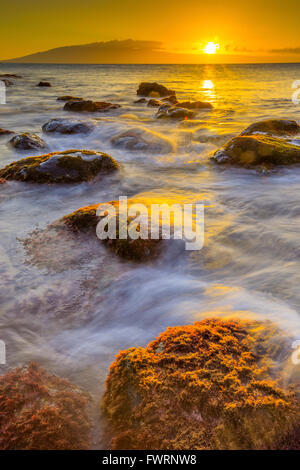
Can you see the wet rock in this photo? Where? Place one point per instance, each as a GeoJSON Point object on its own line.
{"type": "Point", "coordinates": [141, 100]}
{"type": "Point", "coordinates": [40, 411]}
{"type": "Point", "coordinates": [273, 127]}
{"type": "Point", "coordinates": [194, 105]}
{"type": "Point", "coordinates": [69, 126]}
{"type": "Point", "coordinates": [203, 386]}
{"type": "Point", "coordinates": [70, 166]}
{"type": "Point", "coordinates": [174, 113]}
{"type": "Point", "coordinates": [143, 140]}
{"type": "Point", "coordinates": [5, 132]}
{"type": "Point", "coordinates": [44, 84]}
{"type": "Point", "coordinates": [153, 90]}
{"type": "Point", "coordinates": [170, 99]}
{"type": "Point", "coordinates": [86, 219]}
{"type": "Point", "coordinates": [89, 106]}
{"type": "Point", "coordinates": [69, 98]}
{"type": "Point", "coordinates": [27, 141]}
{"type": "Point", "coordinates": [153, 102]}
{"type": "Point", "coordinates": [257, 150]}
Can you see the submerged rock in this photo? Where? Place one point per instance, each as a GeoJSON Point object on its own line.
{"type": "Point", "coordinates": [89, 106]}
{"type": "Point", "coordinates": [70, 166]}
{"type": "Point", "coordinates": [142, 139]}
{"type": "Point", "coordinates": [69, 126]}
{"type": "Point", "coordinates": [173, 112]}
{"type": "Point", "coordinates": [153, 90]}
{"type": "Point", "coordinates": [273, 127]}
{"type": "Point", "coordinates": [45, 84]}
{"type": "Point", "coordinates": [202, 386]}
{"type": "Point", "coordinates": [69, 98]}
{"type": "Point", "coordinates": [27, 141]}
{"type": "Point", "coordinates": [40, 411]}
{"type": "Point", "coordinates": [194, 105]}
{"type": "Point", "coordinates": [5, 132]}
{"type": "Point", "coordinates": [257, 150]}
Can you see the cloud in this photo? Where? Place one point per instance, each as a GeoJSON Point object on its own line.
{"type": "Point", "coordinates": [286, 50]}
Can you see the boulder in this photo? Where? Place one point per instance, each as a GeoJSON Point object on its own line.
{"type": "Point", "coordinates": [44, 84]}
{"type": "Point", "coordinates": [173, 112]}
{"type": "Point", "coordinates": [70, 166]}
{"type": "Point", "coordinates": [85, 220]}
{"type": "Point", "coordinates": [69, 126]}
{"type": "Point", "coordinates": [257, 150]}
{"type": "Point", "coordinates": [69, 98]}
{"type": "Point", "coordinates": [194, 105]}
{"type": "Point", "coordinates": [40, 411]}
{"type": "Point", "coordinates": [142, 140]}
{"type": "Point", "coordinates": [203, 386]}
{"type": "Point", "coordinates": [273, 127]}
{"type": "Point", "coordinates": [141, 100]}
{"type": "Point", "coordinates": [153, 90]}
{"type": "Point", "coordinates": [89, 106]}
{"type": "Point", "coordinates": [27, 141]}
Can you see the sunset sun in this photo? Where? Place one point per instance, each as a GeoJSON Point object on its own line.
{"type": "Point", "coordinates": [211, 48]}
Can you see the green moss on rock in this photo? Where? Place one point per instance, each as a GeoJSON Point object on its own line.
{"type": "Point", "coordinates": [70, 166]}
{"type": "Point", "coordinates": [201, 386]}
{"type": "Point", "coordinates": [258, 150]}
{"type": "Point", "coordinates": [273, 127]}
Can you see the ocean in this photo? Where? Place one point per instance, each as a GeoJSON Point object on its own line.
{"type": "Point", "coordinates": [75, 319]}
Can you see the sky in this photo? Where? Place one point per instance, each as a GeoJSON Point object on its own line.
{"type": "Point", "coordinates": [246, 31]}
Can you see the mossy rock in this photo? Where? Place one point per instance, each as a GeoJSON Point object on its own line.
{"type": "Point", "coordinates": [80, 106]}
{"type": "Point", "coordinates": [154, 90]}
{"type": "Point", "coordinates": [273, 127]}
{"type": "Point", "coordinates": [70, 166]}
{"type": "Point", "coordinates": [202, 386]}
{"type": "Point", "coordinates": [257, 151]}
{"type": "Point", "coordinates": [86, 219]}
{"type": "Point", "coordinates": [27, 141]}
{"type": "Point", "coordinates": [39, 411]}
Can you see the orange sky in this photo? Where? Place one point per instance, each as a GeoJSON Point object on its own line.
{"type": "Point", "coordinates": [246, 31]}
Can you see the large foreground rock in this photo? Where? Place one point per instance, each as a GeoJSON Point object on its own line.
{"type": "Point", "coordinates": [40, 411]}
{"type": "Point", "coordinates": [80, 106]}
{"type": "Point", "coordinates": [153, 90]}
{"type": "Point", "coordinates": [70, 166]}
{"type": "Point", "coordinates": [201, 386]}
{"type": "Point", "coordinates": [143, 140]}
{"type": "Point", "coordinates": [27, 141]}
{"type": "Point", "coordinates": [257, 150]}
{"type": "Point", "coordinates": [273, 127]}
{"type": "Point", "coordinates": [69, 126]}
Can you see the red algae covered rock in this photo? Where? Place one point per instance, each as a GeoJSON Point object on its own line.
{"type": "Point", "coordinates": [201, 386]}
{"type": "Point", "coordinates": [69, 166]}
{"type": "Point", "coordinates": [40, 411]}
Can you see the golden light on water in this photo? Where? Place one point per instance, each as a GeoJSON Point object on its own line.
{"type": "Point", "coordinates": [207, 84]}
{"type": "Point", "coordinates": [211, 48]}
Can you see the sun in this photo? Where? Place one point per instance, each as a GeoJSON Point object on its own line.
{"type": "Point", "coordinates": [211, 48]}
